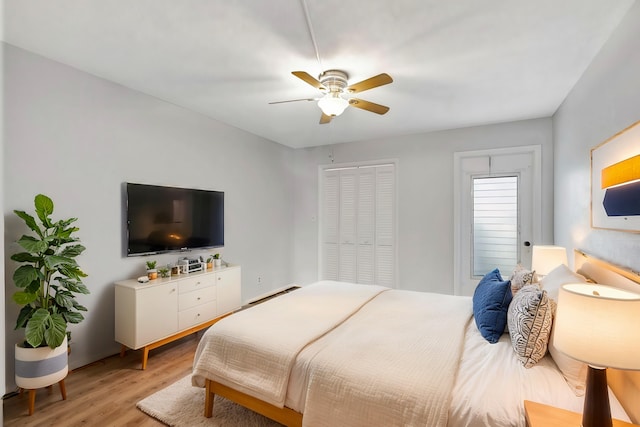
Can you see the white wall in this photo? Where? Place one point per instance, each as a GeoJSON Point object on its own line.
{"type": "Point", "coordinates": [3, 346]}
{"type": "Point", "coordinates": [604, 101]}
{"type": "Point", "coordinates": [425, 195]}
{"type": "Point", "coordinates": [77, 138]}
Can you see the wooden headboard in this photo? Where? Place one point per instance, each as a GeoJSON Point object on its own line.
{"type": "Point", "coordinates": [625, 384]}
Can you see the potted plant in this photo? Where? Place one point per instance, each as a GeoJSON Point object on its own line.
{"type": "Point", "coordinates": [216, 260]}
{"type": "Point", "coordinates": [210, 262]}
{"type": "Point", "coordinates": [152, 273]}
{"type": "Point", "coordinates": [49, 280]}
{"type": "Point", "coordinates": [164, 272]}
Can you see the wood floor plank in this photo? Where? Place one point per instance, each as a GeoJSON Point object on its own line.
{"type": "Point", "coordinates": [105, 393]}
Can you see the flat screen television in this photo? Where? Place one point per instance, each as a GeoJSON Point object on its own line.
{"type": "Point", "coordinates": [168, 219]}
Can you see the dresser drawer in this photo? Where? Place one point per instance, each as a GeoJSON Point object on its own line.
{"type": "Point", "coordinates": [194, 283]}
{"type": "Point", "coordinates": [197, 297]}
{"type": "Point", "coordinates": [199, 314]}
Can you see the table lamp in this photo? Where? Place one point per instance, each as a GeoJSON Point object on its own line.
{"type": "Point", "coordinates": [598, 325]}
{"type": "Point", "coordinates": [546, 258]}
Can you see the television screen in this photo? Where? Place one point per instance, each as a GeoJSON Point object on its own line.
{"type": "Point", "coordinates": [167, 219]}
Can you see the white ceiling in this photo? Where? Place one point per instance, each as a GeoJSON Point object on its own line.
{"type": "Point", "coordinates": [455, 63]}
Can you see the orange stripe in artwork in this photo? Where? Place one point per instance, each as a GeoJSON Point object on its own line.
{"type": "Point", "coordinates": [622, 172]}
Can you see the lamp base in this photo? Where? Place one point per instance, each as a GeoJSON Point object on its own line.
{"type": "Point", "coordinates": [597, 412]}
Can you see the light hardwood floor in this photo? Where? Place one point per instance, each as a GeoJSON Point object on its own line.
{"type": "Point", "coordinates": [105, 393]}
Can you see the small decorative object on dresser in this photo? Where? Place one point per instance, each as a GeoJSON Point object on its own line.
{"type": "Point", "coordinates": [152, 273]}
{"type": "Point", "coordinates": [217, 262]}
{"type": "Point", "coordinates": [49, 279]}
{"type": "Point", "coordinates": [164, 272]}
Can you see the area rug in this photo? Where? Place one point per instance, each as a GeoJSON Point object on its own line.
{"type": "Point", "coordinates": [182, 405]}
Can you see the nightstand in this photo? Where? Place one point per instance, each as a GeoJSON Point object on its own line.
{"type": "Point", "coordinates": [539, 415]}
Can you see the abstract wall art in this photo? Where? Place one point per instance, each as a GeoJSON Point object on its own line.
{"type": "Point", "coordinates": [615, 181]}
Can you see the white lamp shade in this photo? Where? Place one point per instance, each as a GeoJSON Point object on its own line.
{"type": "Point", "coordinates": [546, 258]}
{"type": "Point", "coordinates": [332, 104]}
{"type": "Point", "coordinates": [599, 325]}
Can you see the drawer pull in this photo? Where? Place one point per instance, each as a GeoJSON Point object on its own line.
{"type": "Point", "coordinates": [198, 298]}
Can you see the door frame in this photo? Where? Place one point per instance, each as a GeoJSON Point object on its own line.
{"type": "Point", "coordinates": [536, 199]}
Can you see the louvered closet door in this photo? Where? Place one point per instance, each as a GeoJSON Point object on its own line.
{"type": "Point", "coordinates": [347, 266]}
{"type": "Point", "coordinates": [358, 225]}
{"type": "Point", "coordinates": [329, 232]}
{"type": "Point", "coordinates": [385, 226]}
{"type": "Point", "coordinates": [366, 225]}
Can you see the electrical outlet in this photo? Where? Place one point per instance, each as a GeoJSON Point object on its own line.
{"type": "Point", "coordinates": [259, 280]}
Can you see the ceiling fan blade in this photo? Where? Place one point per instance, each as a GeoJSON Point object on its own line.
{"type": "Point", "coordinates": [294, 100]}
{"type": "Point", "coordinates": [369, 106]}
{"type": "Point", "coordinates": [379, 80]}
{"type": "Point", "coordinates": [324, 119]}
{"type": "Point", "coordinates": [310, 80]}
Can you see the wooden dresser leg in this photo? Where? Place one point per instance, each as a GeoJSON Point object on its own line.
{"type": "Point", "coordinates": [145, 356]}
{"type": "Point", "coordinates": [208, 400]}
{"type": "Point", "coordinates": [32, 401]}
{"type": "Point", "coordinates": [63, 389]}
{"type": "Point", "coordinates": [123, 350]}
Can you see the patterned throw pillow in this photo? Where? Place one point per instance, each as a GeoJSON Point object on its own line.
{"type": "Point", "coordinates": [530, 316]}
{"type": "Point", "coordinates": [521, 277]}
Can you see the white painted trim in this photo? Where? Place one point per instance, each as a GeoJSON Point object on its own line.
{"type": "Point", "coordinates": [536, 221]}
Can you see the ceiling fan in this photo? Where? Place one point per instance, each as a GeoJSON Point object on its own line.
{"type": "Point", "coordinates": [334, 85]}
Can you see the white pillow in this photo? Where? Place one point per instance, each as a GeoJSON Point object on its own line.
{"type": "Point", "coordinates": [561, 275]}
{"type": "Point", "coordinates": [574, 371]}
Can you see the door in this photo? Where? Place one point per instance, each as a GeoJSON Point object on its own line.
{"type": "Point", "coordinates": [497, 212]}
{"type": "Point", "coordinates": [357, 227]}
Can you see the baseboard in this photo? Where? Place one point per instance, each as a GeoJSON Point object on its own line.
{"type": "Point", "coordinates": [271, 294]}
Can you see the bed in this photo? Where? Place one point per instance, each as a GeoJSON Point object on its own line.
{"type": "Point", "coordinates": [342, 354]}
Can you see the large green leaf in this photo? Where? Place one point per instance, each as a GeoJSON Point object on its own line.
{"type": "Point", "coordinates": [24, 298]}
{"type": "Point", "coordinates": [57, 330]}
{"type": "Point", "coordinates": [73, 285]}
{"type": "Point", "coordinates": [72, 272]}
{"type": "Point", "coordinates": [24, 316]}
{"type": "Point", "coordinates": [33, 245]}
{"type": "Point", "coordinates": [73, 317]}
{"type": "Point", "coordinates": [64, 299]}
{"type": "Point", "coordinates": [72, 251]}
{"type": "Point", "coordinates": [24, 275]}
{"type": "Point", "coordinates": [30, 221]}
{"type": "Point", "coordinates": [36, 327]}
{"type": "Point", "coordinates": [25, 257]}
{"type": "Point", "coordinates": [44, 208]}
{"type": "Point", "coordinates": [54, 261]}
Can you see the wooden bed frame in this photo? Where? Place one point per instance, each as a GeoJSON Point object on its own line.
{"type": "Point", "coordinates": [625, 384]}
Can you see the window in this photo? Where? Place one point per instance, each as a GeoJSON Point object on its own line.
{"type": "Point", "coordinates": [495, 224]}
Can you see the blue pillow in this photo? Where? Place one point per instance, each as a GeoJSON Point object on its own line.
{"type": "Point", "coordinates": [490, 304]}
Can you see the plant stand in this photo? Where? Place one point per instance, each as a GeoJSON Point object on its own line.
{"type": "Point", "coordinates": [32, 395]}
{"type": "Point", "coordinates": [41, 367]}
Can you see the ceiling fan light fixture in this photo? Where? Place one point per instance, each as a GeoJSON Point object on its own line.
{"type": "Point", "coordinates": [332, 104]}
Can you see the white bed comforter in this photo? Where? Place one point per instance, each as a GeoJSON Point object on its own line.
{"type": "Point", "coordinates": [253, 351]}
{"type": "Point", "coordinates": [360, 378]}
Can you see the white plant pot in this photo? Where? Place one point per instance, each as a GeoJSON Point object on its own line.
{"type": "Point", "coordinates": [217, 262]}
{"type": "Point", "coordinates": [42, 366]}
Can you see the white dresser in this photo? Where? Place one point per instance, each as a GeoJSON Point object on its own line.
{"type": "Point", "coordinates": [148, 315]}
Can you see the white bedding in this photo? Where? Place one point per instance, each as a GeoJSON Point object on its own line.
{"type": "Point", "coordinates": [492, 384]}
{"type": "Point", "coordinates": [488, 384]}
{"type": "Point", "coordinates": [360, 379]}
{"type": "Point", "coordinates": [253, 350]}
